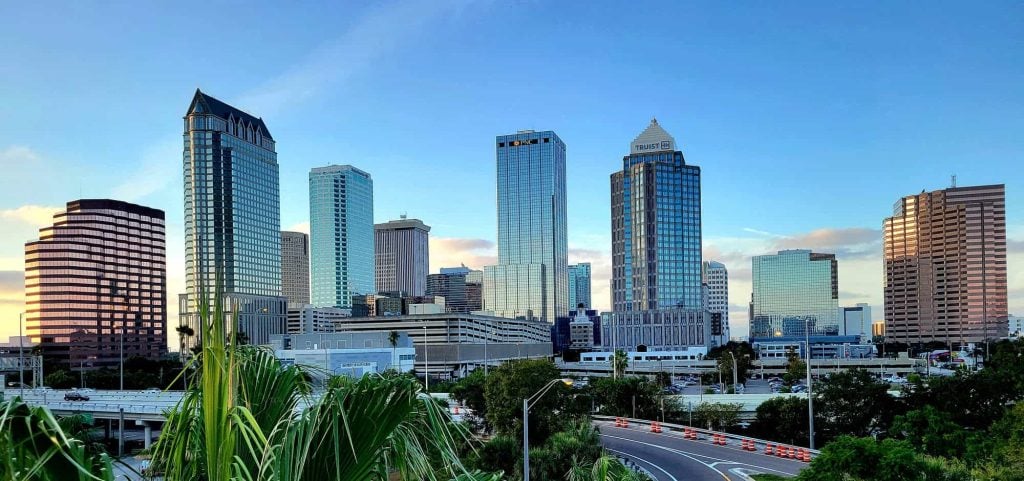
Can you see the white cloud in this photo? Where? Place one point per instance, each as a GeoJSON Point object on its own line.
{"type": "Point", "coordinates": [600, 274]}
{"type": "Point", "coordinates": [299, 227]}
{"type": "Point", "coordinates": [18, 155]}
{"type": "Point", "coordinates": [33, 215]}
{"type": "Point", "coordinates": [454, 251]}
{"type": "Point", "coordinates": [159, 168]}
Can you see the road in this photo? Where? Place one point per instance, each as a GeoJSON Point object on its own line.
{"type": "Point", "coordinates": [669, 457]}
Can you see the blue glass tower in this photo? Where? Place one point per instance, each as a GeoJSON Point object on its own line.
{"type": "Point", "coordinates": [656, 227]}
{"type": "Point", "coordinates": [579, 285]}
{"type": "Point", "coordinates": [340, 235]}
{"type": "Point", "coordinates": [531, 278]}
{"type": "Point", "coordinates": [232, 217]}
{"type": "Point", "coordinates": [794, 290]}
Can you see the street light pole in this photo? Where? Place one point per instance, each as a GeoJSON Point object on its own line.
{"type": "Point", "coordinates": [527, 404]}
{"type": "Point", "coordinates": [426, 361]}
{"type": "Point", "coordinates": [21, 353]}
{"type": "Point", "coordinates": [810, 393]}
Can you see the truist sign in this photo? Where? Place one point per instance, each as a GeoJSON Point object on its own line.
{"type": "Point", "coordinates": [642, 147]}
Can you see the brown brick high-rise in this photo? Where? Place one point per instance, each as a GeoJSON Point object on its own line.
{"type": "Point", "coordinates": [945, 266]}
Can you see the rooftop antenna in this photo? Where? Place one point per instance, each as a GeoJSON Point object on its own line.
{"type": "Point", "coordinates": [403, 215]}
{"type": "Point", "coordinates": [953, 181]}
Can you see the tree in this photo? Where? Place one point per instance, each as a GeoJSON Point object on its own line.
{"type": "Point", "coordinates": [393, 339]}
{"type": "Point", "coordinates": [796, 369]}
{"type": "Point", "coordinates": [849, 458]}
{"type": "Point", "coordinates": [783, 419]}
{"type": "Point", "coordinates": [744, 354]}
{"type": "Point", "coordinates": [851, 403]}
{"type": "Point", "coordinates": [511, 383]}
{"type": "Point", "coordinates": [620, 362]}
{"type": "Point", "coordinates": [716, 416]}
{"type": "Point", "coordinates": [241, 418]}
{"type": "Point", "coordinates": [630, 397]}
{"type": "Point", "coordinates": [931, 431]}
{"type": "Point", "coordinates": [60, 380]}
{"type": "Point", "coordinates": [470, 391]}
{"type": "Point", "coordinates": [184, 333]}
{"type": "Point", "coordinates": [35, 446]}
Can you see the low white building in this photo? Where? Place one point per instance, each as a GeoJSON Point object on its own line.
{"type": "Point", "coordinates": [346, 353]}
{"type": "Point", "coordinates": [306, 319]}
{"type": "Point", "coordinates": [688, 354]}
{"type": "Point", "coordinates": [581, 331]}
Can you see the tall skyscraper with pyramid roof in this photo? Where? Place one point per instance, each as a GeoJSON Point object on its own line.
{"type": "Point", "coordinates": [232, 219]}
{"type": "Point", "coordinates": [656, 246]}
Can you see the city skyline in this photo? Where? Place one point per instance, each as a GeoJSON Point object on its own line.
{"type": "Point", "coordinates": [741, 152]}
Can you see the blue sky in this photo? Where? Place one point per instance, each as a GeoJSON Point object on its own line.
{"type": "Point", "coordinates": [808, 120]}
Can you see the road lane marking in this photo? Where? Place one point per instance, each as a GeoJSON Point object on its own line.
{"type": "Point", "coordinates": [692, 454]}
{"type": "Point", "coordinates": [706, 465]}
{"type": "Point", "coordinates": [646, 461]}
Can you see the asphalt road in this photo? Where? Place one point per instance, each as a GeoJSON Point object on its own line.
{"type": "Point", "coordinates": [669, 457]}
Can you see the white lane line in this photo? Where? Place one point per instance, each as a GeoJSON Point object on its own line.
{"type": "Point", "coordinates": [644, 460]}
{"type": "Point", "coordinates": [691, 456]}
{"type": "Point", "coordinates": [680, 453]}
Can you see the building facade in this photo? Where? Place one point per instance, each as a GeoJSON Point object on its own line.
{"type": "Point", "coordinates": [656, 329]}
{"type": "Point", "coordinates": [531, 279]}
{"type": "Point", "coordinates": [96, 278]}
{"type": "Point", "coordinates": [945, 266]}
{"type": "Point", "coordinates": [306, 319]}
{"type": "Point", "coordinates": [402, 253]}
{"type": "Point", "coordinates": [232, 219]}
{"type": "Point", "coordinates": [579, 285]}
{"type": "Point", "coordinates": [656, 227]}
{"type": "Point", "coordinates": [856, 321]}
{"type": "Point", "coordinates": [794, 290]}
{"type": "Point", "coordinates": [716, 277]}
{"type": "Point", "coordinates": [345, 354]}
{"type": "Point", "coordinates": [341, 234]}
{"type": "Point", "coordinates": [295, 267]}
{"type": "Point", "coordinates": [461, 287]}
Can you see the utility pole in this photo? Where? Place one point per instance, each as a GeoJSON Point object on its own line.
{"type": "Point", "coordinates": [810, 393]}
{"type": "Point", "coordinates": [21, 353]}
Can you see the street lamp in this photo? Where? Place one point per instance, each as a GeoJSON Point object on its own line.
{"type": "Point", "coordinates": [810, 393]}
{"type": "Point", "coordinates": [21, 353]}
{"type": "Point", "coordinates": [527, 404]}
{"type": "Point", "coordinates": [426, 361]}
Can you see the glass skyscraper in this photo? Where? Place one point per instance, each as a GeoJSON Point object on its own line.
{"type": "Point", "coordinates": [531, 279]}
{"type": "Point", "coordinates": [794, 289]}
{"type": "Point", "coordinates": [657, 297]}
{"type": "Point", "coordinates": [232, 218]}
{"type": "Point", "coordinates": [579, 285]}
{"type": "Point", "coordinates": [340, 234]}
{"type": "Point", "coordinates": [656, 227]}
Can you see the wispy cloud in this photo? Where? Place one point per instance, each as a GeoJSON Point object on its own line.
{"type": "Point", "coordinates": [12, 287]}
{"type": "Point", "coordinates": [299, 227]}
{"type": "Point", "coordinates": [18, 155]}
{"type": "Point", "coordinates": [156, 171]}
{"type": "Point", "coordinates": [33, 215]}
{"type": "Point", "coordinates": [849, 242]}
{"type": "Point", "coordinates": [454, 251]}
{"type": "Point", "coordinates": [600, 274]}
{"type": "Point", "coordinates": [382, 29]}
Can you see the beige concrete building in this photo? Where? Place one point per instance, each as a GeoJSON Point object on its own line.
{"type": "Point", "coordinates": [945, 266]}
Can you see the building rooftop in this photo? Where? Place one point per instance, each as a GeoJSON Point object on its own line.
{"type": "Point", "coordinates": [205, 104]}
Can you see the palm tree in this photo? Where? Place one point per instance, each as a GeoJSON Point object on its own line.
{"type": "Point", "coordinates": [35, 446]}
{"type": "Point", "coordinates": [393, 339]}
{"type": "Point", "coordinates": [620, 361]}
{"type": "Point", "coordinates": [244, 418]}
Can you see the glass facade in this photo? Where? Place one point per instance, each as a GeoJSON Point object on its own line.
{"type": "Point", "coordinates": [794, 290]}
{"type": "Point", "coordinates": [341, 234]}
{"type": "Point", "coordinates": [579, 285]}
{"type": "Point", "coordinates": [98, 276]}
{"type": "Point", "coordinates": [656, 227]}
{"type": "Point", "coordinates": [295, 267]}
{"type": "Point", "coordinates": [232, 216]}
{"type": "Point", "coordinates": [531, 278]}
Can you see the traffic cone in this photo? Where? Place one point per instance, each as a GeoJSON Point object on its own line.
{"type": "Point", "coordinates": [769, 449]}
{"type": "Point", "coordinates": [456, 409]}
{"type": "Point", "coordinates": [655, 427]}
{"type": "Point", "coordinates": [781, 452]}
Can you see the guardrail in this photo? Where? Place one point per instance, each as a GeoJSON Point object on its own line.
{"type": "Point", "coordinates": [745, 443]}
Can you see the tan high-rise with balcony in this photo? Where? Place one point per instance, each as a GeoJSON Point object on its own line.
{"type": "Point", "coordinates": [945, 266]}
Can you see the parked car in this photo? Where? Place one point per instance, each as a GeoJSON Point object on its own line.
{"type": "Point", "coordinates": [75, 396]}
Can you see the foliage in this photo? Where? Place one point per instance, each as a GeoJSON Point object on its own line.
{"type": "Point", "coordinates": [744, 354]}
{"type": "Point", "coordinates": [605, 468]}
{"type": "Point", "coordinates": [617, 397]}
{"type": "Point", "coordinates": [716, 416]}
{"type": "Point", "coordinates": [851, 403]}
{"type": "Point", "coordinates": [511, 383]}
{"type": "Point", "coordinates": [59, 380]}
{"type": "Point", "coordinates": [849, 458]}
{"type": "Point", "coordinates": [796, 369]}
{"type": "Point", "coordinates": [782, 419]}
{"type": "Point", "coordinates": [470, 392]}
{"type": "Point", "coordinates": [500, 454]}
{"type": "Point", "coordinates": [580, 443]}
{"type": "Point", "coordinates": [35, 447]}
{"type": "Point", "coordinates": [241, 420]}
{"type": "Point", "coordinates": [663, 378]}
{"type": "Point", "coordinates": [620, 362]}
{"type": "Point", "coordinates": [931, 431]}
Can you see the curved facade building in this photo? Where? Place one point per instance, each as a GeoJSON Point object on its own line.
{"type": "Point", "coordinates": [95, 278]}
